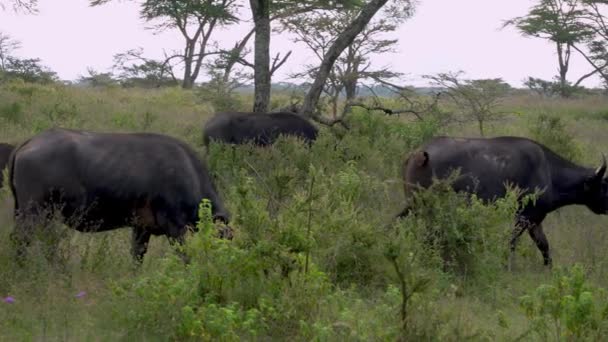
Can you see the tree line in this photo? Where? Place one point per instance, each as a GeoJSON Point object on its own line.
{"type": "Point", "coordinates": [343, 36]}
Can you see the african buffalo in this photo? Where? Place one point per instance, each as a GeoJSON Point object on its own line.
{"type": "Point", "coordinates": [5, 152]}
{"type": "Point", "coordinates": [261, 129]}
{"type": "Point", "coordinates": [103, 181]}
{"type": "Point", "coordinates": [486, 165]}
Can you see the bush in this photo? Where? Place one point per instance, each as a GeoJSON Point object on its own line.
{"type": "Point", "coordinates": [551, 132]}
{"type": "Point", "coordinates": [470, 236]}
{"type": "Point", "coordinates": [568, 309]}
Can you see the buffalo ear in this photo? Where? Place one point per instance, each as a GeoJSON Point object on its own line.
{"type": "Point", "coordinates": [421, 158]}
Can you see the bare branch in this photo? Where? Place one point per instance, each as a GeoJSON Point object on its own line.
{"type": "Point", "coordinates": [26, 6]}
{"type": "Point", "coordinates": [276, 64]}
{"type": "Point", "coordinates": [599, 70]}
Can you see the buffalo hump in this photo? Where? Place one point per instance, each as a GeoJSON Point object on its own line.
{"type": "Point", "coordinates": [261, 129]}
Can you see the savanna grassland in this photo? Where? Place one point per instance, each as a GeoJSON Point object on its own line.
{"type": "Point", "coordinates": [316, 255]}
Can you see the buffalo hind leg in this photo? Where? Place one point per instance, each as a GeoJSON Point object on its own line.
{"type": "Point", "coordinates": [538, 236]}
{"type": "Point", "coordinates": [517, 231]}
{"type": "Point", "coordinates": [139, 243]}
{"type": "Point", "coordinates": [27, 222]}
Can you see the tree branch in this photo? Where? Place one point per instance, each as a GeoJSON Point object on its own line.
{"type": "Point", "coordinates": [597, 69]}
{"type": "Point", "coordinates": [276, 64]}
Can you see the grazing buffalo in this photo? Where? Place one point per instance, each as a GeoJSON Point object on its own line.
{"type": "Point", "coordinates": [486, 165]}
{"type": "Point", "coordinates": [261, 129]}
{"type": "Point", "coordinates": [103, 181]}
{"type": "Point", "coordinates": [5, 152]}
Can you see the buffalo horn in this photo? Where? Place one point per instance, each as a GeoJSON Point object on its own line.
{"type": "Point", "coordinates": [602, 169]}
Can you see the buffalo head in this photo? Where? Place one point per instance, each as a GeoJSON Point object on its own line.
{"type": "Point", "coordinates": [596, 190]}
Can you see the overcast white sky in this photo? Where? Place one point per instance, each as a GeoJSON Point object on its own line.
{"type": "Point", "coordinates": [443, 35]}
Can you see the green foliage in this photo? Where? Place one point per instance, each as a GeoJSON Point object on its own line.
{"type": "Point", "coordinates": [568, 309]}
{"type": "Point", "coordinates": [226, 291]}
{"type": "Point", "coordinates": [450, 224]}
{"type": "Point", "coordinates": [551, 132]}
{"type": "Point", "coordinates": [220, 95]}
{"type": "Point", "coordinates": [28, 70]}
{"type": "Point", "coordinates": [554, 88]}
{"type": "Point", "coordinates": [316, 254]}
{"type": "Point", "coordinates": [138, 71]}
{"type": "Point", "coordinates": [98, 79]}
{"type": "Point", "coordinates": [555, 20]}
{"type": "Point", "coordinates": [11, 112]}
{"type": "Point", "coordinates": [173, 11]}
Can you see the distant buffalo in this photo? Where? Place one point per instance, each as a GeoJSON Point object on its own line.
{"type": "Point", "coordinates": [487, 164]}
{"type": "Point", "coordinates": [261, 129]}
{"type": "Point", "coordinates": [103, 181]}
{"type": "Point", "coordinates": [5, 152]}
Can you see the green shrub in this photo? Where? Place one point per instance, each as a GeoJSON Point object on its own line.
{"type": "Point", "coordinates": [551, 132]}
{"type": "Point", "coordinates": [470, 236]}
{"type": "Point", "coordinates": [12, 112]}
{"type": "Point", "coordinates": [568, 309]}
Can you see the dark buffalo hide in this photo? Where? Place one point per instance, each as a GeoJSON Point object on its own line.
{"type": "Point", "coordinates": [5, 152]}
{"type": "Point", "coordinates": [103, 181]}
{"type": "Point", "coordinates": [485, 166]}
{"type": "Point", "coordinates": [261, 129]}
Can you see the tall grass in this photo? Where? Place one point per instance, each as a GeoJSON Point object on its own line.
{"type": "Point", "coordinates": [316, 254]}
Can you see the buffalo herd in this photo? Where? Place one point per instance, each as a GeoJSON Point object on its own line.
{"type": "Point", "coordinates": [154, 183]}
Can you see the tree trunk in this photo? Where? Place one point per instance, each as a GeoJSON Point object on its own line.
{"type": "Point", "coordinates": [563, 70]}
{"type": "Point", "coordinates": [260, 10]}
{"type": "Point", "coordinates": [350, 87]}
{"type": "Point", "coordinates": [351, 75]}
{"type": "Point", "coordinates": [342, 42]}
{"type": "Point", "coordinates": [188, 82]}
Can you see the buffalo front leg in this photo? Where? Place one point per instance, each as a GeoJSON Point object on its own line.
{"type": "Point", "coordinates": [404, 213]}
{"type": "Point", "coordinates": [538, 236]}
{"type": "Point", "coordinates": [139, 243]}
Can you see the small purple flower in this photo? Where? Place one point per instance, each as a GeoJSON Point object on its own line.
{"type": "Point", "coordinates": [80, 294]}
{"type": "Point", "coordinates": [9, 300]}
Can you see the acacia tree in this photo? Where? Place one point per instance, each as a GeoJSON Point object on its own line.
{"type": "Point", "coordinates": [263, 12]}
{"type": "Point", "coordinates": [97, 79]}
{"type": "Point", "coordinates": [558, 21]}
{"type": "Point", "coordinates": [27, 69]}
{"type": "Point", "coordinates": [344, 39]}
{"type": "Point", "coordinates": [7, 47]}
{"type": "Point", "coordinates": [196, 20]}
{"type": "Point", "coordinates": [473, 100]}
{"type": "Point", "coordinates": [317, 31]}
{"type": "Point", "coordinates": [596, 52]}
{"type": "Point", "coordinates": [136, 70]}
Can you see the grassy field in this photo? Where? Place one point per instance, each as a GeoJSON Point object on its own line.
{"type": "Point", "coordinates": [313, 258]}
